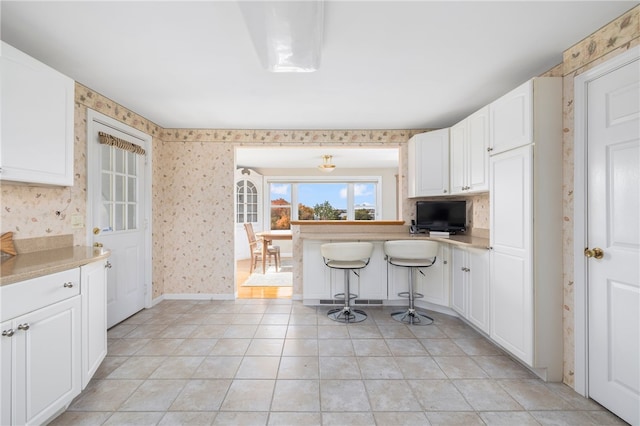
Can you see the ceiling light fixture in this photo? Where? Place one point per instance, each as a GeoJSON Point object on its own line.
{"type": "Point", "coordinates": [326, 165]}
{"type": "Point", "coordinates": [287, 35]}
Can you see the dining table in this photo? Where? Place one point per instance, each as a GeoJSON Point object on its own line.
{"type": "Point", "coordinates": [267, 238]}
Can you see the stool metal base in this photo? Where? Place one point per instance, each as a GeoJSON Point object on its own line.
{"type": "Point", "coordinates": [347, 315]}
{"type": "Point", "coordinates": [412, 317]}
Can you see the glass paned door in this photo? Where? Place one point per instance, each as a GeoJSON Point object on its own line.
{"type": "Point", "coordinates": [119, 190]}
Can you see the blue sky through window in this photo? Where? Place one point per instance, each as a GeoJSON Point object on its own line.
{"type": "Point", "coordinates": [311, 194]}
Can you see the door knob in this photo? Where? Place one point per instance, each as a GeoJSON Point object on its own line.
{"type": "Point", "coordinates": [96, 231]}
{"type": "Point", "coordinates": [596, 253]}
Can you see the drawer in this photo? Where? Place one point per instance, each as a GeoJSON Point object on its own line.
{"type": "Point", "coordinates": [27, 296]}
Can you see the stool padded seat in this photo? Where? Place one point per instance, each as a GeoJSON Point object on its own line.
{"type": "Point", "coordinates": [411, 249]}
{"type": "Point", "coordinates": [347, 252]}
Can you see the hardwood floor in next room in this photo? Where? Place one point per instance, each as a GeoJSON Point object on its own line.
{"type": "Point", "coordinates": [242, 274]}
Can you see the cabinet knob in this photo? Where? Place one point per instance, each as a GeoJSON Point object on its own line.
{"type": "Point", "coordinates": [444, 191]}
{"type": "Point", "coordinates": [489, 149]}
{"type": "Point", "coordinates": [68, 285]}
{"type": "Point", "coordinates": [108, 265]}
{"type": "Point", "coordinates": [24, 327]}
{"type": "Point", "coordinates": [8, 333]}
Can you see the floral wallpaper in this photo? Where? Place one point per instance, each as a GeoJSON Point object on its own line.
{"type": "Point", "coordinates": [197, 173]}
{"type": "Point", "coordinates": [193, 184]}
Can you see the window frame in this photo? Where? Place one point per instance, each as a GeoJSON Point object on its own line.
{"type": "Point", "coordinates": [295, 180]}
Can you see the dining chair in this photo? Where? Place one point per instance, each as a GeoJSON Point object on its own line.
{"type": "Point", "coordinates": [255, 247]}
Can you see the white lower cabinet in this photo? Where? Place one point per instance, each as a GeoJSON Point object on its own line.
{"type": "Point", "coordinates": [94, 318]}
{"type": "Point", "coordinates": [470, 285]}
{"type": "Point", "coordinates": [40, 355]}
{"type": "Point", "coordinates": [53, 339]}
{"type": "Point", "coordinates": [432, 282]}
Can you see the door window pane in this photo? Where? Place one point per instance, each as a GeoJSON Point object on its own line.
{"type": "Point", "coordinates": [119, 155]}
{"type": "Point", "coordinates": [120, 225]}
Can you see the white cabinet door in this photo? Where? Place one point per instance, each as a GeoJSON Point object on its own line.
{"type": "Point", "coordinates": [469, 155]}
{"type": "Point", "coordinates": [477, 151]}
{"type": "Point", "coordinates": [37, 121]}
{"type": "Point", "coordinates": [47, 353]}
{"type": "Point", "coordinates": [470, 285]}
{"type": "Point", "coordinates": [478, 289]}
{"type": "Point", "coordinates": [429, 164]}
{"type": "Point", "coordinates": [373, 278]}
{"type": "Point", "coordinates": [511, 255]}
{"type": "Point", "coordinates": [458, 157]}
{"type": "Point", "coordinates": [511, 119]}
{"type": "Point", "coordinates": [93, 282]}
{"type": "Point", "coordinates": [459, 260]}
{"type": "Point", "coordinates": [316, 275]}
{"type": "Point", "coordinates": [6, 371]}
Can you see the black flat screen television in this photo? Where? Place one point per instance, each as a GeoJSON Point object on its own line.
{"type": "Point", "coordinates": [443, 216]}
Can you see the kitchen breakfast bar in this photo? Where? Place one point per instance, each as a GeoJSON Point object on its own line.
{"type": "Point", "coordinates": [378, 283]}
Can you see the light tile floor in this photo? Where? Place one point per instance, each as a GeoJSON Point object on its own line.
{"type": "Point", "coordinates": [277, 362]}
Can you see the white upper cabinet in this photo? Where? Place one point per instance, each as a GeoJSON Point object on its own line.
{"type": "Point", "coordinates": [37, 121]}
{"type": "Point", "coordinates": [511, 119]}
{"type": "Point", "coordinates": [469, 156]}
{"type": "Point", "coordinates": [429, 164]}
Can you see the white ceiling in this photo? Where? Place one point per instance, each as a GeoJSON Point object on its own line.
{"type": "Point", "coordinates": [385, 64]}
{"type": "Point", "coordinates": [311, 158]}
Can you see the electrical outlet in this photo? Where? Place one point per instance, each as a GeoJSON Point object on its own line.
{"type": "Point", "coordinates": [77, 220]}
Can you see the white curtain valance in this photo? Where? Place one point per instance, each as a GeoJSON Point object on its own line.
{"type": "Point", "coordinates": [107, 139]}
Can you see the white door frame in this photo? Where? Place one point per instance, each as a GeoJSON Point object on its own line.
{"type": "Point", "coordinates": [581, 313]}
{"type": "Point", "coordinates": [94, 116]}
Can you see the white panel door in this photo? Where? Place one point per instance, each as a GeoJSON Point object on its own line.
{"type": "Point", "coordinates": [511, 320]}
{"type": "Point", "coordinates": [119, 208]}
{"type": "Point", "coordinates": [613, 150]}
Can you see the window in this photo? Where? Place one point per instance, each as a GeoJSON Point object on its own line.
{"type": "Point", "coordinates": [119, 188]}
{"type": "Point", "coordinates": [280, 205]}
{"type": "Point", "coordinates": [337, 200]}
{"type": "Point", "coordinates": [246, 202]}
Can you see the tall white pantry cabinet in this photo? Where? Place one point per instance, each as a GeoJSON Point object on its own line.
{"type": "Point", "coordinates": [526, 224]}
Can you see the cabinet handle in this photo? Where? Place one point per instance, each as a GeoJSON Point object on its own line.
{"type": "Point", "coordinates": [68, 285]}
{"type": "Point", "coordinates": [489, 149]}
{"type": "Point", "coordinates": [8, 333]}
{"type": "Point", "coordinates": [444, 191]}
{"type": "Point", "coordinates": [24, 327]}
{"type": "Point", "coordinates": [107, 264]}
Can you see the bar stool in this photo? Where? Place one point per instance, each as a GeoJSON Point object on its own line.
{"type": "Point", "coordinates": [412, 254]}
{"type": "Point", "coordinates": [349, 257]}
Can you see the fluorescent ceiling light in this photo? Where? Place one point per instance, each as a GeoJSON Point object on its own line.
{"type": "Point", "coordinates": [287, 35]}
